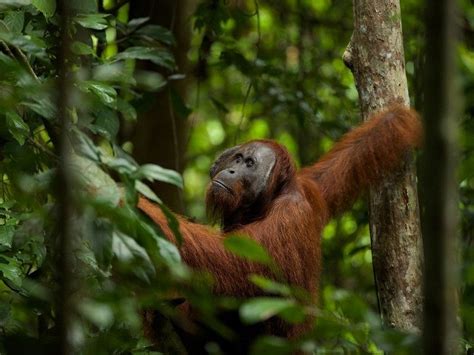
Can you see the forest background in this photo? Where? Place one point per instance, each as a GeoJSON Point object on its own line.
{"type": "Point", "coordinates": [168, 84]}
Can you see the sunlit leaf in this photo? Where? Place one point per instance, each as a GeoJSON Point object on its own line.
{"type": "Point", "coordinates": [146, 191]}
{"type": "Point", "coordinates": [260, 309]}
{"type": "Point", "coordinates": [93, 21]}
{"type": "Point", "coordinates": [155, 172]}
{"type": "Point", "coordinates": [247, 248]}
{"type": "Point", "coordinates": [47, 7]}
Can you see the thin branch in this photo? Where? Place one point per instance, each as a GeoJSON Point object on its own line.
{"type": "Point", "coordinates": [7, 49]}
{"type": "Point", "coordinates": [19, 54]}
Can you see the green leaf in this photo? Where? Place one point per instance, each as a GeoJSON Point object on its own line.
{"type": "Point", "coordinates": [42, 104]}
{"type": "Point", "coordinates": [17, 127]}
{"type": "Point", "coordinates": [128, 111]}
{"type": "Point", "coordinates": [122, 166]}
{"type": "Point", "coordinates": [10, 269]}
{"type": "Point", "coordinates": [157, 32]}
{"type": "Point", "coordinates": [47, 7]}
{"type": "Point", "coordinates": [80, 48]}
{"type": "Point", "coordinates": [127, 250]}
{"type": "Point", "coordinates": [263, 308]}
{"type": "Point", "coordinates": [146, 191]}
{"type": "Point", "coordinates": [158, 56]}
{"type": "Point", "coordinates": [8, 4]}
{"type": "Point", "coordinates": [247, 248]}
{"type": "Point", "coordinates": [270, 286]}
{"type": "Point", "coordinates": [6, 236]}
{"type": "Point", "coordinates": [96, 181]}
{"type": "Point", "coordinates": [155, 172]}
{"type": "Point", "coordinates": [14, 20]}
{"type": "Point", "coordinates": [85, 146]}
{"type": "Point", "coordinates": [93, 21]}
{"type": "Point", "coordinates": [104, 92]}
{"type": "Point", "coordinates": [106, 123]}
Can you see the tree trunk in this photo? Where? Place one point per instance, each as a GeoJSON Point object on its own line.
{"type": "Point", "coordinates": [439, 182]}
{"type": "Point", "coordinates": [375, 56]}
{"type": "Point", "coordinates": [160, 134]}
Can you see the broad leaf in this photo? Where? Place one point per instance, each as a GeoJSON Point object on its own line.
{"type": "Point", "coordinates": [104, 92]}
{"type": "Point", "coordinates": [93, 21]}
{"type": "Point", "coordinates": [263, 308]}
{"type": "Point", "coordinates": [14, 20]}
{"type": "Point", "coordinates": [158, 56]}
{"type": "Point", "coordinates": [247, 248]}
{"type": "Point", "coordinates": [47, 7]}
{"type": "Point", "coordinates": [17, 127]}
{"type": "Point", "coordinates": [155, 172]}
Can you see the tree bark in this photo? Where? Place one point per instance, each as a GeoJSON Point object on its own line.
{"type": "Point", "coordinates": [160, 133]}
{"type": "Point", "coordinates": [376, 57]}
{"type": "Point", "coordinates": [439, 185]}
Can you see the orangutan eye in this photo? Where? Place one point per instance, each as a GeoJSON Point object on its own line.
{"type": "Point", "coordinates": [249, 162]}
{"type": "Point", "coordinates": [238, 158]}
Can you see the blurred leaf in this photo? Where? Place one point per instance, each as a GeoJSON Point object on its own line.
{"type": "Point", "coordinates": [270, 286]}
{"type": "Point", "coordinates": [96, 181]}
{"type": "Point", "coordinates": [47, 7]}
{"type": "Point", "coordinates": [158, 56]}
{"type": "Point", "coordinates": [247, 248]}
{"type": "Point", "coordinates": [100, 314]}
{"type": "Point", "coordinates": [127, 110]}
{"type": "Point", "coordinates": [14, 20]}
{"type": "Point", "coordinates": [42, 104]}
{"type": "Point", "coordinates": [136, 22]}
{"type": "Point", "coordinates": [271, 345]}
{"type": "Point", "coordinates": [17, 127]}
{"type": "Point", "coordinates": [127, 250]}
{"type": "Point", "coordinates": [149, 81]}
{"type": "Point", "coordinates": [104, 92]}
{"type": "Point", "coordinates": [155, 172]}
{"type": "Point", "coordinates": [81, 48]}
{"type": "Point", "coordinates": [86, 147]}
{"type": "Point", "coordinates": [93, 21]}
{"type": "Point", "coordinates": [106, 123]}
{"type": "Point", "coordinates": [262, 308]}
{"type": "Point", "coordinates": [157, 32]}
{"type": "Point", "coordinates": [85, 6]}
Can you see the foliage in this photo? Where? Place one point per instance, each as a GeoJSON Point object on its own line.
{"type": "Point", "coordinates": [262, 70]}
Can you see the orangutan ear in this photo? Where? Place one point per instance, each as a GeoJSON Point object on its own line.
{"type": "Point", "coordinates": [226, 154]}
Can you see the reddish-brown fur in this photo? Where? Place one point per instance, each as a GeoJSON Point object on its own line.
{"type": "Point", "coordinates": [296, 211]}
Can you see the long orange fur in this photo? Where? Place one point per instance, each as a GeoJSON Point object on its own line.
{"type": "Point", "coordinates": [292, 223]}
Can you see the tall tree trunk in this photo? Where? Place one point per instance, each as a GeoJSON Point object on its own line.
{"type": "Point", "coordinates": [160, 134]}
{"type": "Point", "coordinates": [439, 181]}
{"type": "Point", "coordinates": [376, 57]}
